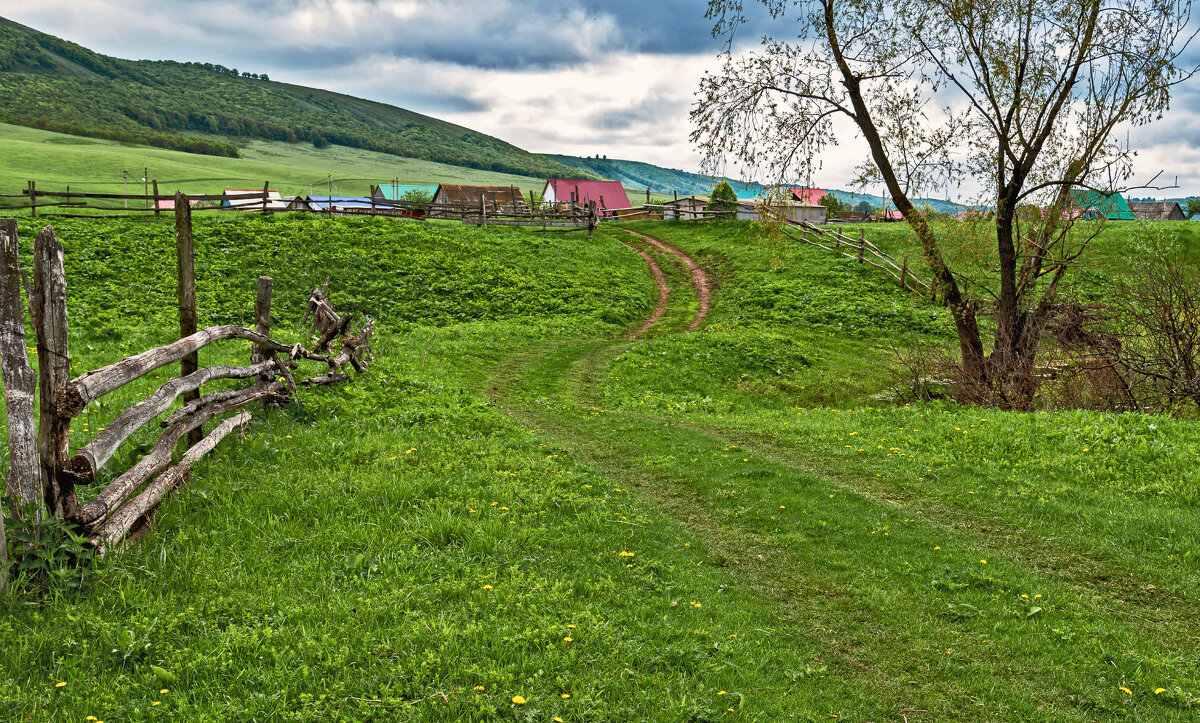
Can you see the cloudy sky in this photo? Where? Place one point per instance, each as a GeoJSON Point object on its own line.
{"type": "Point", "coordinates": [568, 76]}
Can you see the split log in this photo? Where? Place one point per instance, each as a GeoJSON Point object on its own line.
{"type": "Point", "coordinates": [324, 379]}
{"type": "Point", "coordinates": [190, 408]}
{"type": "Point", "coordinates": [332, 332]}
{"type": "Point", "coordinates": [92, 385]}
{"type": "Point", "coordinates": [24, 482]}
{"type": "Point", "coordinates": [114, 530]}
{"type": "Point", "coordinates": [101, 506]}
{"type": "Point", "coordinates": [88, 460]}
{"type": "Point", "coordinates": [54, 371]}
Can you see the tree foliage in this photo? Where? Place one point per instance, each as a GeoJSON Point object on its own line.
{"type": "Point", "coordinates": [1023, 97]}
{"type": "Point", "coordinates": [831, 202]}
{"type": "Point", "coordinates": [723, 199]}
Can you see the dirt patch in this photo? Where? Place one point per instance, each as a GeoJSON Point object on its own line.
{"type": "Point", "coordinates": [699, 278]}
{"type": "Point", "coordinates": [663, 290]}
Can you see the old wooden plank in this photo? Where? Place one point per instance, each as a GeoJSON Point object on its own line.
{"type": "Point", "coordinates": [23, 482]}
{"type": "Point", "coordinates": [54, 371]}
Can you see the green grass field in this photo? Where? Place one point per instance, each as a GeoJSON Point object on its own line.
{"type": "Point", "coordinates": [55, 161]}
{"type": "Point", "coordinates": [520, 514]}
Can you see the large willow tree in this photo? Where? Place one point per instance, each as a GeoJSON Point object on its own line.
{"type": "Point", "coordinates": [1027, 98]}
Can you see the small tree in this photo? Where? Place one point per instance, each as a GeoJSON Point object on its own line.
{"type": "Point", "coordinates": [1193, 206]}
{"type": "Point", "coordinates": [863, 207]}
{"type": "Point", "coordinates": [416, 195]}
{"type": "Point", "coordinates": [723, 200]}
{"type": "Point", "coordinates": [831, 202]}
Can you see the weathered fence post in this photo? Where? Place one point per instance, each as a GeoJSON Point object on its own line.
{"type": "Point", "coordinates": [266, 195]}
{"type": "Point", "coordinates": [262, 319]}
{"type": "Point", "coordinates": [32, 199]}
{"type": "Point", "coordinates": [157, 207]}
{"type": "Point", "coordinates": [54, 371]}
{"type": "Point", "coordinates": [23, 482]}
{"type": "Point", "coordinates": [483, 210]}
{"type": "Point", "coordinates": [862, 244]}
{"type": "Point", "coordinates": [903, 273]}
{"type": "Point", "coordinates": [185, 263]}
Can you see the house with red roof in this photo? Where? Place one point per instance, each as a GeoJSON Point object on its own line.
{"type": "Point", "coordinates": [808, 196]}
{"type": "Point", "coordinates": [606, 194]}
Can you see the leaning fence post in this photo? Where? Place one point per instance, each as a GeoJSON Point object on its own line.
{"type": "Point", "coordinates": [266, 194]}
{"type": "Point", "coordinates": [32, 199]}
{"type": "Point", "coordinates": [862, 244]}
{"type": "Point", "coordinates": [54, 370]}
{"type": "Point", "coordinates": [157, 206]}
{"type": "Point", "coordinates": [23, 482]}
{"type": "Point", "coordinates": [185, 263]}
{"type": "Point", "coordinates": [483, 210]}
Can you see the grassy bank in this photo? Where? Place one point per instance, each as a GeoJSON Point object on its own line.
{"type": "Point", "coordinates": [518, 514]}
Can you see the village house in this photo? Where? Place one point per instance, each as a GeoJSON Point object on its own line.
{"type": "Point", "coordinates": [450, 201]}
{"type": "Point", "coordinates": [606, 194]}
{"type": "Point", "coordinates": [1157, 211]}
{"type": "Point", "coordinates": [275, 202]}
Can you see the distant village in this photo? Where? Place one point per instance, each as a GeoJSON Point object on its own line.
{"type": "Point", "coordinates": [799, 204]}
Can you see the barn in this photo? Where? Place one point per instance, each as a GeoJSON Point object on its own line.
{"type": "Point", "coordinates": [1157, 211]}
{"type": "Point", "coordinates": [606, 194]}
{"type": "Point", "coordinates": [498, 200]}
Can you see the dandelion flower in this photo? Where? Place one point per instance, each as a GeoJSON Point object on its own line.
{"type": "Point", "coordinates": [782, 507]}
{"type": "Point", "coordinates": [557, 719]}
{"type": "Point", "coordinates": [60, 685]}
{"type": "Point", "coordinates": [1024, 596]}
{"type": "Point", "coordinates": [164, 691]}
{"type": "Point", "coordinates": [983, 562]}
{"type": "Point", "coordinates": [936, 547]}
{"type": "Point", "coordinates": [479, 688]}
{"type": "Point", "coordinates": [568, 639]}
{"type": "Point", "coordinates": [571, 626]}
{"type": "Point", "coordinates": [1035, 597]}
{"type": "Point", "coordinates": [518, 700]}
{"type": "Point", "coordinates": [720, 692]}
{"type": "Point", "coordinates": [1160, 691]}
{"type": "Point", "coordinates": [566, 695]}
{"type": "Point", "coordinates": [488, 587]}
{"type": "Point", "coordinates": [1125, 690]}
{"type": "Point", "coordinates": [157, 702]}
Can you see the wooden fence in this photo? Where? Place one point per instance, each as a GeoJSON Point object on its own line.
{"type": "Point", "coordinates": [489, 211]}
{"type": "Point", "coordinates": [44, 473]}
{"type": "Point", "coordinates": [859, 249]}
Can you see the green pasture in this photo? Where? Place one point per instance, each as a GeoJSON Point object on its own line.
{"type": "Point", "coordinates": [55, 161]}
{"type": "Point", "coordinates": [518, 513]}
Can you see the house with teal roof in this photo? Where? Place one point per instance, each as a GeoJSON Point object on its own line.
{"type": "Point", "coordinates": [395, 192]}
{"type": "Point", "coordinates": [1096, 205]}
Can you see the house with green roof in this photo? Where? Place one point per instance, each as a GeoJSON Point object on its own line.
{"type": "Point", "coordinates": [1095, 205]}
{"type": "Point", "coordinates": [395, 192]}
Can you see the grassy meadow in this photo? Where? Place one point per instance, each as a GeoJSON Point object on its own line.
{"type": "Point", "coordinates": [518, 513]}
{"type": "Point", "coordinates": [90, 165]}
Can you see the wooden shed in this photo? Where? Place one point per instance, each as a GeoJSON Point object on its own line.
{"type": "Point", "coordinates": [792, 210]}
{"type": "Point", "coordinates": [452, 201]}
{"type": "Point", "coordinates": [1157, 211]}
{"type": "Point", "coordinates": [685, 209]}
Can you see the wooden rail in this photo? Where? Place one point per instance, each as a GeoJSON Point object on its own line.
{"type": "Point", "coordinates": [42, 471]}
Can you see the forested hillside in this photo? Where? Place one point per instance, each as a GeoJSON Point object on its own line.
{"type": "Point", "coordinates": [57, 85]}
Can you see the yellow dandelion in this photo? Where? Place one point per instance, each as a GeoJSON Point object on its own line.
{"type": "Point", "coordinates": [983, 562]}
{"type": "Point", "coordinates": [936, 547]}
{"type": "Point", "coordinates": [1125, 690]}
{"type": "Point", "coordinates": [518, 700]}
{"type": "Point", "coordinates": [488, 587]}
{"type": "Point", "coordinates": [1035, 597]}
{"type": "Point", "coordinates": [568, 639]}
{"type": "Point", "coordinates": [720, 692]}
{"type": "Point", "coordinates": [1160, 691]}
{"type": "Point", "coordinates": [557, 719]}
{"type": "Point", "coordinates": [566, 695]}
{"type": "Point", "coordinates": [1024, 596]}
{"type": "Point", "coordinates": [60, 685]}
{"type": "Point", "coordinates": [157, 702]}
{"type": "Point", "coordinates": [164, 691]}
{"type": "Point", "coordinates": [731, 637]}
{"type": "Point", "coordinates": [91, 717]}
{"type": "Point", "coordinates": [479, 688]}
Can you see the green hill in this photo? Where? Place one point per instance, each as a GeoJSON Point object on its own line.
{"type": "Point", "coordinates": [57, 85]}
{"type": "Point", "coordinates": [638, 175]}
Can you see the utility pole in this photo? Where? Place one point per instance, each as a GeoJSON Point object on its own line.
{"type": "Point", "coordinates": [146, 185]}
